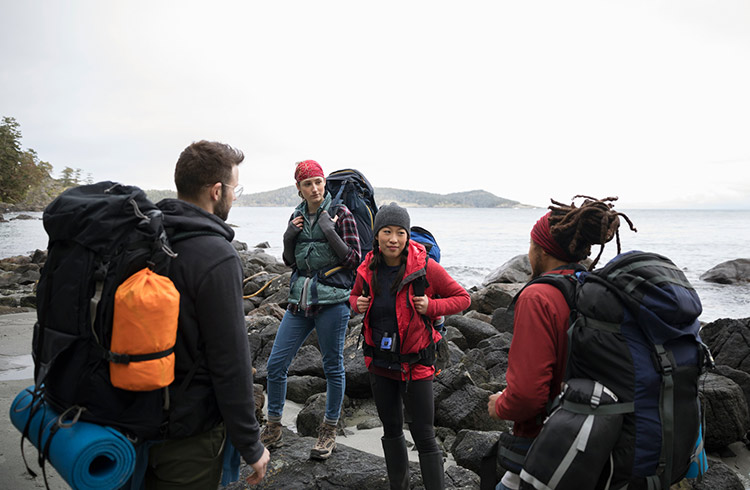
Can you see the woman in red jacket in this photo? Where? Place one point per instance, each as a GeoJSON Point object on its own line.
{"type": "Point", "coordinates": [400, 291]}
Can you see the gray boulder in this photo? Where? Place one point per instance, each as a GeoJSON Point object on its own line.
{"type": "Point", "coordinates": [10, 301]}
{"type": "Point", "coordinates": [39, 257]}
{"type": "Point", "coordinates": [473, 330]}
{"type": "Point", "coordinates": [470, 447]}
{"type": "Point", "coordinates": [740, 377]}
{"type": "Point", "coordinates": [357, 375]}
{"type": "Point", "coordinates": [450, 380]}
{"type": "Point", "coordinates": [719, 476]}
{"type": "Point", "coordinates": [348, 468]}
{"type": "Point", "coordinates": [502, 320]}
{"type": "Point", "coordinates": [495, 350]}
{"type": "Point", "coordinates": [726, 411]}
{"type": "Point", "coordinates": [256, 260]}
{"type": "Point", "coordinates": [239, 246]}
{"type": "Point", "coordinates": [311, 415]}
{"type": "Point", "coordinates": [308, 361]}
{"type": "Point", "coordinates": [266, 310]}
{"type": "Point", "coordinates": [516, 270]}
{"type": "Point", "coordinates": [456, 354]}
{"type": "Point", "coordinates": [492, 297]}
{"type": "Point", "coordinates": [257, 281]}
{"type": "Point", "coordinates": [467, 409]}
{"type": "Point", "coordinates": [729, 341]}
{"type": "Point", "coordinates": [452, 334]}
{"type": "Point", "coordinates": [735, 271]}
{"type": "Point", "coordinates": [280, 297]}
{"type": "Point", "coordinates": [300, 388]}
{"type": "Point", "coordinates": [267, 328]}
{"type": "Point", "coordinates": [260, 361]}
{"type": "Point", "coordinates": [475, 315]}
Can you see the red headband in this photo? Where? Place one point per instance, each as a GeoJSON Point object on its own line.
{"type": "Point", "coordinates": [307, 169]}
{"type": "Point", "coordinates": [541, 235]}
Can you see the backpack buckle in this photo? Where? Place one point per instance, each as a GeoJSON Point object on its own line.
{"type": "Point", "coordinates": [100, 273]}
{"type": "Point", "coordinates": [117, 358]}
{"type": "Point", "coordinates": [665, 364]}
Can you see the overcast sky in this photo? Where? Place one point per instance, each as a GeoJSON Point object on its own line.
{"type": "Point", "coordinates": [646, 100]}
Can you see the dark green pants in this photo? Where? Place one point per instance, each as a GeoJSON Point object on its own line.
{"type": "Point", "coordinates": [191, 463]}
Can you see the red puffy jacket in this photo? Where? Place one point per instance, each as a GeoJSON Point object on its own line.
{"type": "Point", "coordinates": [446, 297]}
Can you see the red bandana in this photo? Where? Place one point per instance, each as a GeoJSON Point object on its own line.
{"type": "Point", "coordinates": [307, 170]}
{"type": "Point", "coordinates": [541, 235]}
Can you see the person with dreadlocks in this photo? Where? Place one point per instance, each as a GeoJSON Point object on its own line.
{"type": "Point", "coordinates": [537, 359]}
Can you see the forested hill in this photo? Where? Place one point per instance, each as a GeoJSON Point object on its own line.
{"type": "Point", "coordinates": [287, 196]}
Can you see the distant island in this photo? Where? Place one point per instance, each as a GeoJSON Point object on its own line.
{"type": "Point", "coordinates": [287, 197]}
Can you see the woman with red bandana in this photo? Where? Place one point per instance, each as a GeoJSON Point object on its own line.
{"type": "Point", "coordinates": [538, 352]}
{"type": "Point", "coordinates": [399, 290]}
{"type": "Point", "coordinates": [322, 247]}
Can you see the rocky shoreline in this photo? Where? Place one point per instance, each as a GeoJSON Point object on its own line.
{"type": "Point", "coordinates": [479, 341]}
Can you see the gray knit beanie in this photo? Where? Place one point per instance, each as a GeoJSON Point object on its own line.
{"type": "Point", "coordinates": [392, 215]}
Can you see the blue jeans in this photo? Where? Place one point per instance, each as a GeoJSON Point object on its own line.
{"type": "Point", "coordinates": [330, 323]}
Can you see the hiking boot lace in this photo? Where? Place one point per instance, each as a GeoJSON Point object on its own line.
{"type": "Point", "coordinates": [326, 440]}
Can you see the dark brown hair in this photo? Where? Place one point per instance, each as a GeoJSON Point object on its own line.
{"type": "Point", "coordinates": [202, 164]}
{"type": "Point", "coordinates": [595, 222]}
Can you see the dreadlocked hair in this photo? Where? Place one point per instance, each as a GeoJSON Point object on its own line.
{"type": "Point", "coordinates": [377, 259]}
{"type": "Point", "coordinates": [595, 222]}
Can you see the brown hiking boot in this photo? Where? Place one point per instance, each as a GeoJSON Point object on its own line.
{"type": "Point", "coordinates": [326, 442]}
{"type": "Point", "coordinates": [270, 436]}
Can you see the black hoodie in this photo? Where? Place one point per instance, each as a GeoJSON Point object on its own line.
{"type": "Point", "coordinates": [208, 274]}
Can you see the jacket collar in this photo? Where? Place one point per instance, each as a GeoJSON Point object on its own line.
{"type": "Point", "coordinates": [415, 264]}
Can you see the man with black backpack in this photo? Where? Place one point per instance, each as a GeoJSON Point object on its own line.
{"type": "Point", "coordinates": [536, 361]}
{"type": "Point", "coordinates": [212, 394]}
{"type": "Point", "coordinates": [599, 362]}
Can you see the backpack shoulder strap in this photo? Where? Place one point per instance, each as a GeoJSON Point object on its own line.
{"type": "Point", "coordinates": [567, 283]}
{"type": "Point", "coordinates": [420, 284]}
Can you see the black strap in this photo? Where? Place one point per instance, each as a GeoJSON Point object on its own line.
{"type": "Point", "coordinates": [488, 468]}
{"type": "Point", "coordinates": [189, 377]}
{"type": "Point", "coordinates": [34, 406]}
{"type": "Point", "coordinates": [56, 425]}
{"type": "Point", "coordinates": [426, 356]}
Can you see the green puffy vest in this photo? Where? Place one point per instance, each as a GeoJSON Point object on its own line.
{"type": "Point", "coordinates": [316, 262]}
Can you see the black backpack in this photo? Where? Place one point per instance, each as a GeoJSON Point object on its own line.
{"type": "Point", "coordinates": [351, 188]}
{"type": "Point", "coordinates": [99, 235]}
{"type": "Point", "coordinates": [629, 412]}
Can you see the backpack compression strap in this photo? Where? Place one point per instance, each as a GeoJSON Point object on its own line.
{"type": "Point", "coordinates": [666, 412]}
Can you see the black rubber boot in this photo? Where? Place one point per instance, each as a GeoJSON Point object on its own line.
{"type": "Point", "coordinates": [431, 465]}
{"type": "Point", "coordinates": [396, 462]}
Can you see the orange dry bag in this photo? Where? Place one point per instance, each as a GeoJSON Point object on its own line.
{"type": "Point", "coordinates": [144, 331]}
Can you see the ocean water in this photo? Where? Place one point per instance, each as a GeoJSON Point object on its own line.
{"type": "Point", "coordinates": [476, 241]}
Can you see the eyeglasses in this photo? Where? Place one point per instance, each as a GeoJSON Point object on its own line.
{"type": "Point", "coordinates": [237, 189]}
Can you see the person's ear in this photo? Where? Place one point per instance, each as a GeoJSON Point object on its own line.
{"type": "Point", "coordinates": [215, 192]}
